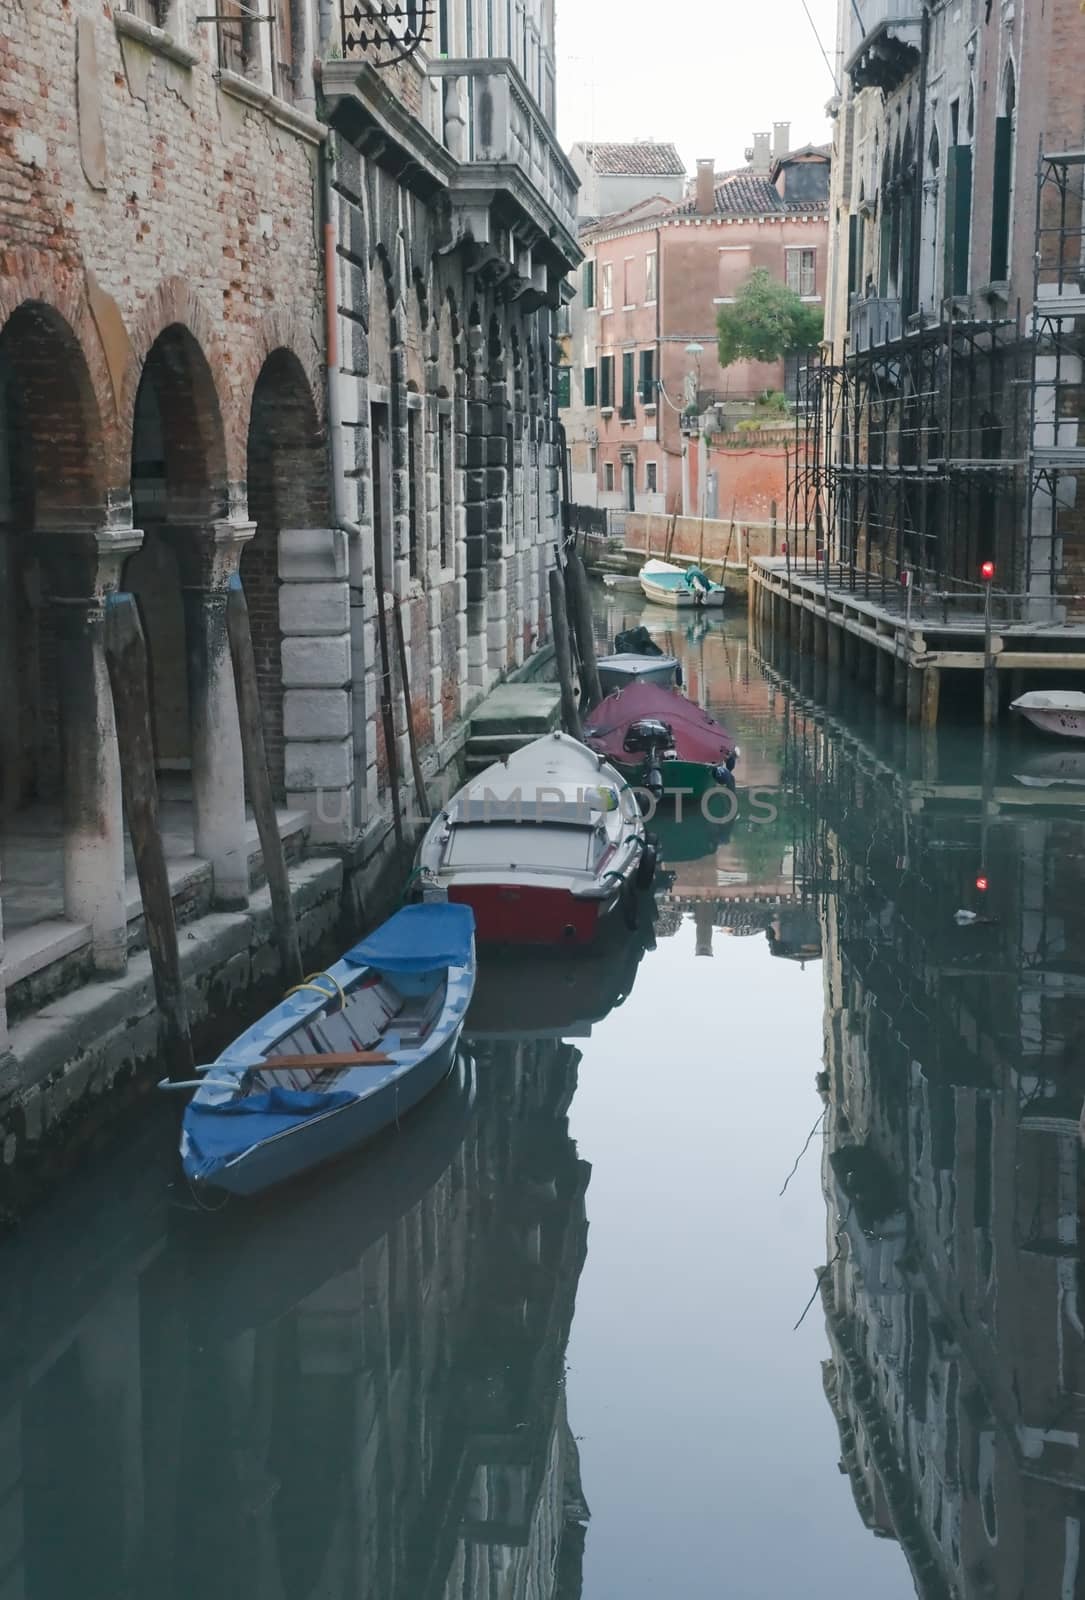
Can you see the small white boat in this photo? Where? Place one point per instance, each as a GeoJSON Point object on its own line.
{"type": "Point", "coordinates": [622, 581]}
{"type": "Point", "coordinates": [1054, 769]}
{"type": "Point", "coordinates": [618, 671]}
{"type": "Point", "coordinates": [343, 1057]}
{"type": "Point", "coordinates": [542, 846]}
{"type": "Point", "coordinates": [1057, 711]}
{"type": "Point", "coordinates": [687, 588]}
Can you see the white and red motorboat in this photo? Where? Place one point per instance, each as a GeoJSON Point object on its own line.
{"type": "Point", "coordinates": [543, 846]}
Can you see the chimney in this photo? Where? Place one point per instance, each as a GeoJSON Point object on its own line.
{"type": "Point", "coordinates": [761, 165]}
{"type": "Point", "coordinates": [781, 140]}
{"type": "Point", "coordinates": [706, 188]}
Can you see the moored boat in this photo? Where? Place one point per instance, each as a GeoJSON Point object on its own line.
{"type": "Point", "coordinates": [686, 588]}
{"type": "Point", "coordinates": [618, 671]}
{"type": "Point", "coordinates": [339, 1059]}
{"type": "Point", "coordinates": [1057, 711]}
{"type": "Point", "coordinates": [660, 741]}
{"type": "Point", "coordinates": [542, 846]}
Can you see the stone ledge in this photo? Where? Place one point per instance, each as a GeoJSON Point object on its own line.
{"type": "Point", "coordinates": [276, 110]}
{"type": "Point", "coordinates": [129, 26]}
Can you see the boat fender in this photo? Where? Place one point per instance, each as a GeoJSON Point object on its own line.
{"type": "Point", "coordinates": [724, 776]}
{"type": "Point", "coordinates": [679, 678]}
{"type": "Point", "coordinates": [649, 860]}
{"type": "Point", "coordinates": [629, 905]}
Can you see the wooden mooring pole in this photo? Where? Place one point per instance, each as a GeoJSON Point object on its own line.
{"type": "Point", "coordinates": [126, 659]}
{"type": "Point", "coordinates": [570, 715]}
{"type": "Point", "coordinates": [412, 740]}
{"type": "Point", "coordinates": [579, 598]}
{"type": "Point", "coordinates": [258, 781]}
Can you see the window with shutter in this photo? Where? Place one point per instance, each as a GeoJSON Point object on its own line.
{"type": "Point", "coordinates": [958, 217]}
{"type": "Point", "coordinates": [608, 286]}
{"type": "Point", "coordinates": [589, 285]}
{"type": "Point", "coordinates": [606, 383]}
{"type": "Point", "coordinates": [564, 387]}
{"type": "Point", "coordinates": [648, 377]}
{"type": "Point", "coordinates": [629, 386]}
{"type": "Point", "coordinates": [651, 275]}
{"type": "Point", "coordinates": [651, 478]}
{"type": "Point", "coordinates": [1000, 202]}
{"type": "Point", "coordinates": [853, 253]}
{"type": "Point", "coordinates": [589, 386]}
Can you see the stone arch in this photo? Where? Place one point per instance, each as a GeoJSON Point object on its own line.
{"type": "Point", "coordinates": [53, 493]}
{"type": "Point", "coordinates": [174, 305]}
{"type": "Point", "coordinates": [287, 488]}
{"type": "Point", "coordinates": [179, 492]}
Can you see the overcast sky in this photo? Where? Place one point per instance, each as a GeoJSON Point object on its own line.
{"type": "Point", "coordinates": [702, 73]}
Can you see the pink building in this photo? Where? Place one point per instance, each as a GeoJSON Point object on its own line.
{"type": "Point", "coordinates": [651, 287]}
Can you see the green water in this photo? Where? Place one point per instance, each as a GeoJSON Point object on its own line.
{"type": "Point", "coordinates": [541, 1343]}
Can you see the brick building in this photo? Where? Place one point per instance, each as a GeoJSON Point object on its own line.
{"type": "Point", "coordinates": [651, 286]}
{"type": "Point", "coordinates": [182, 197]}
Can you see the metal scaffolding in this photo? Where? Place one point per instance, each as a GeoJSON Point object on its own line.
{"type": "Point", "coordinates": [938, 445]}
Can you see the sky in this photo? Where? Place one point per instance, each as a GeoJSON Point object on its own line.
{"type": "Point", "coordinates": [703, 74]}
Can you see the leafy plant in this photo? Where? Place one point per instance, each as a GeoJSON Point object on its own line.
{"type": "Point", "coordinates": [766, 321]}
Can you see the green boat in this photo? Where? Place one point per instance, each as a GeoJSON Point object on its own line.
{"type": "Point", "coordinates": [661, 742]}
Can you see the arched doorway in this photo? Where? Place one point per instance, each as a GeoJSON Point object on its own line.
{"type": "Point", "coordinates": [288, 502]}
{"type": "Point", "coordinates": [59, 776]}
{"type": "Point", "coordinates": [179, 577]}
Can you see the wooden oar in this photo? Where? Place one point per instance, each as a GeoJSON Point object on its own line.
{"type": "Point", "coordinates": [349, 1058]}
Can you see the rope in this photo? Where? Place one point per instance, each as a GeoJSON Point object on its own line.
{"type": "Point", "coordinates": [310, 983]}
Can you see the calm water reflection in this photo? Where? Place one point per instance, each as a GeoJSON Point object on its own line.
{"type": "Point", "coordinates": [471, 1366]}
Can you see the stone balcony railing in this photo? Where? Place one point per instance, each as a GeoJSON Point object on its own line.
{"type": "Point", "coordinates": [491, 121]}
{"type": "Point", "coordinates": [873, 321]}
{"type": "Point", "coordinates": [882, 40]}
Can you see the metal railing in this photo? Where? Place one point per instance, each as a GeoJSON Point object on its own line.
{"type": "Point", "coordinates": [384, 31]}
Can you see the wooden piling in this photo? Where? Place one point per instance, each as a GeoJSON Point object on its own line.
{"type": "Point", "coordinates": [932, 685]}
{"type": "Point", "coordinates": [914, 695]}
{"type": "Point", "coordinates": [388, 720]}
{"type": "Point", "coordinates": [126, 659]}
{"type": "Point", "coordinates": [883, 667]}
{"type": "Point", "coordinates": [258, 781]}
{"type": "Point", "coordinates": [579, 604]}
{"type": "Point", "coordinates": [570, 714]}
{"type": "Point", "coordinates": [900, 682]}
{"type": "Point", "coordinates": [412, 740]}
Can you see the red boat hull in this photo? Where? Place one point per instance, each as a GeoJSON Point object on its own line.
{"type": "Point", "coordinates": [515, 914]}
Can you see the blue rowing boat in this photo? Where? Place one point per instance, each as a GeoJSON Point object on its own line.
{"type": "Point", "coordinates": [340, 1059]}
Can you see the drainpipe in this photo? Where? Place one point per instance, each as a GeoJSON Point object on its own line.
{"type": "Point", "coordinates": [659, 348]}
{"type": "Point", "coordinates": [331, 348]}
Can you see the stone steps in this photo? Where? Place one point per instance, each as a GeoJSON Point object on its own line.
{"type": "Point", "coordinates": [509, 718]}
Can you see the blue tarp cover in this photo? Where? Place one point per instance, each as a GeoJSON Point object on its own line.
{"type": "Point", "coordinates": [218, 1133]}
{"type": "Point", "coordinates": [418, 939]}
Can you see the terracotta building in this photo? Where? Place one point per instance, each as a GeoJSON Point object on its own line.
{"type": "Point", "coordinates": [276, 299]}
{"type": "Point", "coordinates": [952, 133]}
{"type": "Point", "coordinates": [651, 285]}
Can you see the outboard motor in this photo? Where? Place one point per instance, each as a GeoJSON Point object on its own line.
{"type": "Point", "coordinates": [652, 737]}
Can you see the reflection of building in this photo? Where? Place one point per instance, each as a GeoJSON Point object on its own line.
{"type": "Point", "coordinates": [953, 1175]}
{"type": "Point", "coordinates": [356, 1393]}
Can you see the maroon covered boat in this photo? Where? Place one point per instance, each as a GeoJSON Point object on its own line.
{"type": "Point", "coordinates": [661, 741]}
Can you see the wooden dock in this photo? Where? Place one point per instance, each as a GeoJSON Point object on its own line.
{"type": "Point", "coordinates": [904, 647]}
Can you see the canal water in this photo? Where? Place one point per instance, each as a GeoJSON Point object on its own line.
{"type": "Point", "coordinates": [740, 1258]}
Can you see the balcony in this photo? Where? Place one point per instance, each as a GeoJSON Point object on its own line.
{"type": "Point", "coordinates": [872, 322]}
{"type": "Point", "coordinates": [503, 146]}
{"type": "Point", "coordinates": [884, 42]}
{"type": "Point", "coordinates": [472, 130]}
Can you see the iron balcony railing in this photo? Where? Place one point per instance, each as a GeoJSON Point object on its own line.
{"type": "Point", "coordinates": [384, 31]}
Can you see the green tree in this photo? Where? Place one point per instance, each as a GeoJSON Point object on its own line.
{"type": "Point", "coordinates": [766, 321]}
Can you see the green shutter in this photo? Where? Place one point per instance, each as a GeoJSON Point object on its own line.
{"type": "Point", "coordinates": [589, 284]}
{"type": "Point", "coordinates": [853, 253]}
{"type": "Point", "coordinates": [629, 384]}
{"type": "Point", "coordinates": [589, 386]}
{"type": "Point", "coordinates": [958, 218]}
{"type": "Point", "coordinates": [1000, 203]}
{"type": "Point", "coordinates": [647, 377]}
{"type": "Point", "coordinates": [564, 386]}
{"type": "Point", "coordinates": [606, 385]}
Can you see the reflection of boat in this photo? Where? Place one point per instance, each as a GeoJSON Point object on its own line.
{"type": "Point", "coordinates": [617, 672]}
{"type": "Point", "coordinates": [683, 587]}
{"type": "Point", "coordinates": [1053, 769]}
{"type": "Point", "coordinates": [661, 741]}
{"type": "Point", "coordinates": [340, 1059]}
{"type": "Point", "coordinates": [553, 995]}
{"type": "Point", "coordinates": [1057, 711]}
{"type": "Point", "coordinates": [542, 845]}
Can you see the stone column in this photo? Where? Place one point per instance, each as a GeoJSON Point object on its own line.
{"type": "Point", "coordinates": [84, 569]}
{"type": "Point", "coordinates": [208, 558]}
{"type": "Point", "coordinates": [497, 530]}
{"type": "Point", "coordinates": [315, 619]}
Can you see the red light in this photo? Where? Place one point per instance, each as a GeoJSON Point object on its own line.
{"type": "Point", "coordinates": [987, 571]}
{"type": "Point", "coordinates": [983, 884]}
